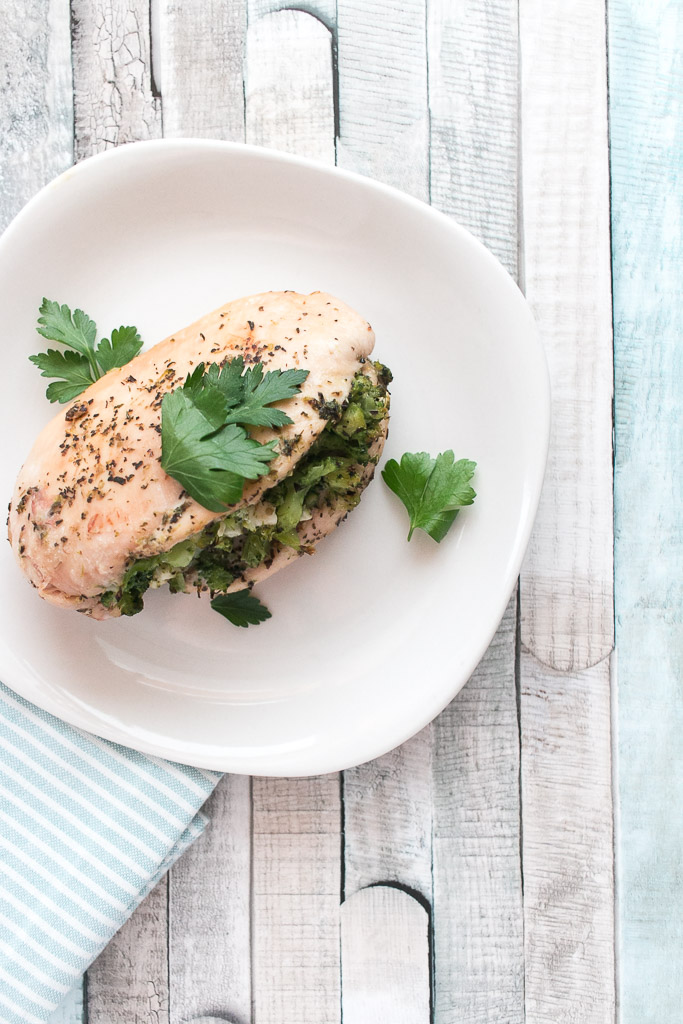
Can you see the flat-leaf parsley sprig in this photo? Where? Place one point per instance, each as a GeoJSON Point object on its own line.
{"type": "Point", "coordinates": [83, 363]}
{"type": "Point", "coordinates": [432, 490]}
{"type": "Point", "coordinates": [241, 608]}
{"type": "Point", "coordinates": [204, 443]}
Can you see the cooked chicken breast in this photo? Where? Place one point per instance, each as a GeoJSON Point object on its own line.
{"type": "Point", "coordinates": [91, 495]}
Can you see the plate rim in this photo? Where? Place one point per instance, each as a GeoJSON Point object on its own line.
{"type": "Point", "coordinates": [272, 764]}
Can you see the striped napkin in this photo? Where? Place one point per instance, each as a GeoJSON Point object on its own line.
{"type": "Point", "coordinates": [87, 828]}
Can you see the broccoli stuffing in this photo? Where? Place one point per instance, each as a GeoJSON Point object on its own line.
{"type": "Point", "coordinates": [330, 473]}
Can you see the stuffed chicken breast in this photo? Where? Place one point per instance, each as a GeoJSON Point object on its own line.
{"type": "Point", "coordinates": [95, 521]}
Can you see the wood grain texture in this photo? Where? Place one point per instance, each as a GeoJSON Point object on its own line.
{"type": "Point", "coordinates": [388, 819]}
{"type": "Point", "coordinates": [383, 119]}
{"type": "Point", "coordinates": [130, 978]}
{"type": "Point", "coordinates": [288, 85]}
{"type": "Point", "coordinates": [36, 112]}
{"type": "Point", "coordinates": [566, 582]}
{"type": "Point", "coordinates": [567, 845]}
{"type": "Point", "coordinates": [209, 909]}
{"type": "Point", "coordinates": [113, 104]}
{"type": "Point", "coordinates": [36, 128]}
{"type": "Point", "coordinates": [199, 58]}
{"type": "Point", "coordinates": [646, 127]}
{"type": "Point", "coordinates": [296, 845]}
{"type": "Point", "coordinates": [383, 113]}
{"type": "Point", "coordinates": [199, 51]}
{"type": "Point", "coordinates": [474, 103]}
{"type": "Point", "coordinates": [478, 933]}
{"type": "Point", "coordinates": [478, 938]}
{"type": "Point", "coordinates": [385, 958]}
{"type": "Point", "coordinates": [295, 902]}
{"type": "Point", "coordinates": [113, 99]}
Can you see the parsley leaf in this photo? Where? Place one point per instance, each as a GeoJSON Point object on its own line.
{"type": "Point", "coordinates": [71, 370]}
{"type": "Point", "coordinates": [204, 445]}
{"type": "Point", "coordinates": [77, 370]}
{"type": "Point", "coordinates": [242, 608]}
{"type": "Point", "coordinates": [124, 345]}
{"type": "Point", "coordinates": [229, 380]}
{"type": "Point", "coordinates": [432, 490]}
{"type": "Point", "coordinates": [247, 393]}
{"type": "Point", "coordinates": [56, 323]}
{"type": "Point", "coordinates": [260, 391]}
{"type": "Point", "coordinates": [211, 464]}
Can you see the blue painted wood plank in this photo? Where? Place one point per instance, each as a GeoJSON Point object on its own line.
{"type": "Point", "coordinates": [646, 91]}
{"type": "Point", "coordinates": [71, 1010]}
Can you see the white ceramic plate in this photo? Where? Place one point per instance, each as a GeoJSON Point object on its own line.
{"type": "Point", "coordinates": [372, 637]}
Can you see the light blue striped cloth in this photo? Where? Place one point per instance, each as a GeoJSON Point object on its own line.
{"type": "Point", "coordinates": [87, 828]}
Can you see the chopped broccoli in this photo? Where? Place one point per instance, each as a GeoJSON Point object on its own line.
{"type": "Point", "coordinates": [257, 547]}
{"type": "Point", "coordinates": [220, 553]}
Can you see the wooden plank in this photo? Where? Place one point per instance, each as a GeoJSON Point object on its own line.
{"type": "Point", "coordinates": [567, 845]}
{"type": "Point", "coordinates": [198, 57]}
{"type": "Point", "coordinates": [295, 902]}
{"type": "Point", "coordinates": [296, 873]}
{"type": "Point", "coordinates": [36, 112]}
{"type": "Point", "coordinates": [130, 978]}
{"type": "Point", "coordinates": [208, 916]}
{"type": "Point", "coordinates": [646, 86]}
{"type": "Point", "coordinates": [113, 104]}
{"type": "Point", "coordinates": [36, 127]}
{"type": "Point", "coordinates": [383, 111]}
{"type": "Point", "coordinates": [288, 85]}
{"type": "Point", "coordinates": [385, 958]}
{"type": "Point", "coordinates": [473, 98]}
{"type": "Point", "coordinates": [113, 98]}
{"type": "Point", "coordinates": [383, 115]}
{"type": "Point", "coordinates": [567, 613]}
{"type": "Point", "coordinates": [478, 933]}
{"type": "Point", "coordinates": [198, 64]}
{"type": "Point", "coordinates": [478, 937]}
{"type": "Point", "coordinates": [566, 585]}
{"type": "Point", "coordinates": [388, 819]}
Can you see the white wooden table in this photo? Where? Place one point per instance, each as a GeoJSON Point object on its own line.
{"type": "Point", "coordinates": [468, 876]}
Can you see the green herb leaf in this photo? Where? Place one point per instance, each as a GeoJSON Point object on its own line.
{"type": "Point", "coordinates": [248, 393]}
{"type": "Point", "coordinates": [195, 380]}
{"type": "Point", "coordinates": [124, 345]}
{"type": "Point", "coordinates": [432, 490]}
{"type": "Point", "coordinates": [212, 406]}
{"type": "Point", "coordinates": [229, 380]}
{"type": "Point", "coordinates": [242, 608]}
{"type": "Point", "coordinates": [77, 370]}
{"type": "Point", "coordinates": [203, 442]}
{"type": "Point", "coordinates": [71, 369]}
{"type": "Point", "coordinates": [211, 464]}
{"type": "Point", "coordinates": [57, 324]}
{"type": "Point", "coordinates": [261, 391]}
